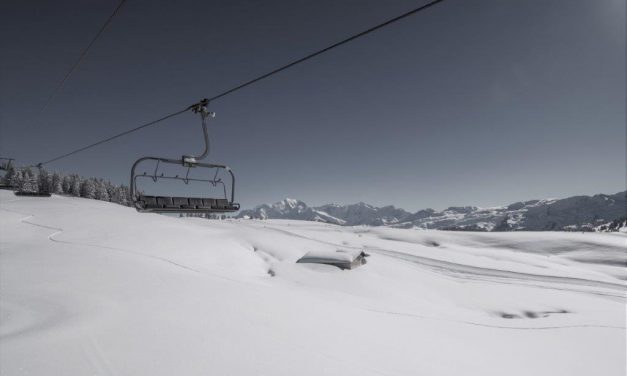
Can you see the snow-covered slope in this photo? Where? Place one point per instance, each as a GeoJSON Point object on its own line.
{"type": "Point", "coordinates": [88, 287]}
{"type": "Point", "coordinates": [536, 215]}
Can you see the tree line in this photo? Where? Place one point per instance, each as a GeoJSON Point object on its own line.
{"type": "Point", "coordinates": [27, 180]}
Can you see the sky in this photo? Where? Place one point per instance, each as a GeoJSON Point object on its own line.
{"type": "Point", "coordinates": [472, 102]}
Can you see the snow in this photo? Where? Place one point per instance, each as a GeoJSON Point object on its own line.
{"type": "Point", "coordinates": [88, 287]}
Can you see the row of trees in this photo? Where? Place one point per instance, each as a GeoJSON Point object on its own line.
{"type": "Point", "coordinates": [619, 224]}
{"type": "Point", "coordinates": [41, 181]}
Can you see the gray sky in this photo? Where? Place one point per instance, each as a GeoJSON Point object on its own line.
{"type": "Point", "coordinates": [473, 102]}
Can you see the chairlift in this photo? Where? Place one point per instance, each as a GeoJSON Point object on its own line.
{"type": "Point", "coordinates": [172, 204]}
{"type": "Point", "coordinates": [6, 164]}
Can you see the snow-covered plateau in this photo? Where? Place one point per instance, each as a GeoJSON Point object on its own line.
{"type": "Point", "coordinates": [93, 288]}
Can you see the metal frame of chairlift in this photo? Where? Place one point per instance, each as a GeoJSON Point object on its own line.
{"type": "Point", "coordinates": [5, 165]}
{"type": "Point", "coordinates": [168, 204]}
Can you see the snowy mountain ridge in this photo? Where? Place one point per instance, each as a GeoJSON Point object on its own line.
{"type": "Point", "coordinates": [572, 213]}
{"type": "Point", "coordinates": [290, 209]}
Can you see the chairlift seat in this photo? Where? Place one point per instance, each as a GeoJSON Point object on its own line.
{"type": "Point", "coordinates": [185, 204]}
{"type": "Point", "coordinates": [148, 201]}
{"type": "Point", "coordinates": [194, 203]}
{"type": "Point", "coordinates": [166, 202]}
{"type": "Point", "coordinates": [209, 203]}
{"type": "Point", "coordinates": [180, 201]}
{"type": "Point", "coordinates": [222, 203]}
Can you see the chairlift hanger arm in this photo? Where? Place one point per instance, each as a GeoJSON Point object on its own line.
{"type": "Point", "coordinates": [202, 109]}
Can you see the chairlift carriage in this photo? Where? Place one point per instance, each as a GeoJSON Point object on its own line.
{"type": "Point", "coordinates": [6, 164]}
{"type": "Point", "coordinates": [172, 204]}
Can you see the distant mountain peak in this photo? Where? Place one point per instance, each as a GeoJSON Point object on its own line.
{"type": "Point", "coordinates": [289, 203]}
{"type": "Point", "coordinates": [577, 212]}
{"type": "Point", "coordinates": [289, 208]}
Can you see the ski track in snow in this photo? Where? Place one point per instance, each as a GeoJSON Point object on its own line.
{"type": "Point", "coordinates": [501, 276]}
{"type": "Point", "coordinates": [460, 271]}
{"type": "Point", "coordinates": [473, 272]}
{"type": "Point", "coordinates": [59, 231]}
{"type": "Point", "coordinates": [98, 357]}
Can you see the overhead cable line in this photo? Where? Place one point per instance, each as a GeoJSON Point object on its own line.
{"type": "Point", "coordinates": [78, 62]}
{"type": "Point", "coordinates": [114, 137]}
{"type": "Point", "coordinates": [257, 79]}
{"type": "Point", "coordinates": [320, 52]}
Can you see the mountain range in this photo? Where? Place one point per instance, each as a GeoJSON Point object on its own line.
{"type": "Point", "coordinates": [572, 213]}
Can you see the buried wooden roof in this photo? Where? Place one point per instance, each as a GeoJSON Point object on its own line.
{"type": "Point", "coordinates": [343, 259]}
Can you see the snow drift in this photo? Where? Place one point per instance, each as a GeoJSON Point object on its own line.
{"type": "Point", "coordinates": [88, 287]}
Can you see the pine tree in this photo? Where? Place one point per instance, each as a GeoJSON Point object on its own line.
{"type": "Point", "coordinates": [66, 185]}
{"type": "Point", "coordinates": [17, 179]}
{"type": "Point", "coordinates": [118, 195]}
{"type": "Point", "coordinates": [29, 182]}
{"type": "Point", "coordinates": [43, 185]}
{"type": "Point", "coordinates": [88, 188]}
{"type": "Point", "coordinates": [49, 184]}
{"type": "Point", "coordinates": [100, 192]}
{"type": "Point", "coordinates": [75, 185]}
{"type": "Point", "coordinates": [56, 182]}
{"type": "Point", "coordinates": [124, 196]}
{"type": "Point", "coordinates": [111, 191]}
{"type": "Point", "coordinates": [114, 196]}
